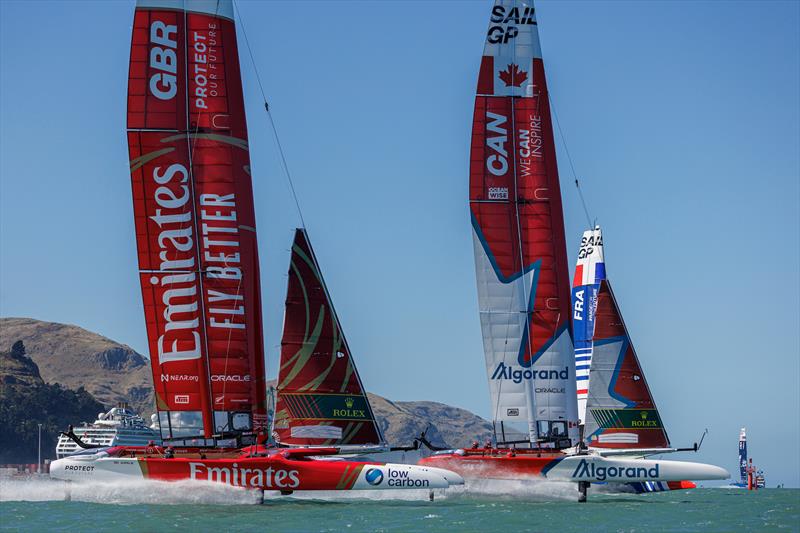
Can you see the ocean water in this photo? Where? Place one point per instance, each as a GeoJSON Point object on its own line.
{"type": "Point", "coordinates": [487, 506]}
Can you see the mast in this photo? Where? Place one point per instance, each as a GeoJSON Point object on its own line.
{"type": "Point", "coordinates": [320, 398]}
{"type": "Point", "coordinates": [518, 230]}
{"type": "Point", "coordinates": [195, 220]}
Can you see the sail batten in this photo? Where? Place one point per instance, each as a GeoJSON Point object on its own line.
{"type": "Point", "coordinates": [192, 193]}
{"type": "Point", "coordinates": [518, 232]}
{"type": "Point", "coordinates": [320, 399]}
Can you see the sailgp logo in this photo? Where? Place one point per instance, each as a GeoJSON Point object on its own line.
{"type": "Point", "coordinates": [589, 471]}
{"type": "Point", "coordinates": [504, 371]}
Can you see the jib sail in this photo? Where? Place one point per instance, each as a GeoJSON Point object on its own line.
{"type": "Point", "coordinates": [194, 217]}
{"type": "Point", "coordinates": [320, 399]}
{"type": "Point", "coordinates": [518, 229]}
{"type": "Point", "coordinates": [620, 410]}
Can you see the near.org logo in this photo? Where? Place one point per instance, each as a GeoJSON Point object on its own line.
{"type": "Point", "coordinates": [374, 476]}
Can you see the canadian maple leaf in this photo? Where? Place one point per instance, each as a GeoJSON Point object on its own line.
{"type": "Point", "coordinates": [513, 76]}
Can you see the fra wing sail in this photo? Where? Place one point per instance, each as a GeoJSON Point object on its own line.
{"type": "Point", "coordinates": [589, 272]}
{"type": "Point", "coordinates": [194, 217]}
{"type": "Point", "coordinates": [320, 398]}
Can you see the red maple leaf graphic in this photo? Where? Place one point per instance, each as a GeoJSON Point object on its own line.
{"type": "Point", "coordinates": [513, 76]}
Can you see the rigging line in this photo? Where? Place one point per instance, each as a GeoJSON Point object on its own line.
{"type": "Point", "coordinates": [284, 165]}
{"type": "Point", "coordinates": [569, 158]}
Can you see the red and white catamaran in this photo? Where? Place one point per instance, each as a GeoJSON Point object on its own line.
{"type": "Point", "coordinates": [576, 429]}
{"type": "Point", "coordinates": [199, 273]}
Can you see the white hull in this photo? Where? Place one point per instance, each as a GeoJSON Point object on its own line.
{"type": "Point", "coordinates": [592, 468]}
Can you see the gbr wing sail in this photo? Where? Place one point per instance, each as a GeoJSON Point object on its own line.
{"type": "Point", "coordinates": [620, 410]}
{"type": "Point", "coordinates": [194, 218]}
{"type": "Point", "coordinates": [518, 230]}
{"type": "Point", "coordinates": [320, 400]}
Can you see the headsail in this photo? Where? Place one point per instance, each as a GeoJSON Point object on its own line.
{"type": "Point", "coordinates": [518, 230]}
{"type": "Point", "coordinates": [320, 399]}
{"type": "Point", "coordinates": [195, 222]}
{"type": "Point", "coordinates": [620, 410]}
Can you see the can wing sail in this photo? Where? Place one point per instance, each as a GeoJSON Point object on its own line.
{"type": "Point", "coordinates": [518, 230]}
{"type": "Point", "coordinates": [621, 409]}
{"type": "Point", "coordinates": [194, 217]}
{"type": "Point", "coordinates": [320, 399]}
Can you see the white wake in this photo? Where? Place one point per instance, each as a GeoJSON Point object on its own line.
{"type": "Point", "coordinates": [135, 492]}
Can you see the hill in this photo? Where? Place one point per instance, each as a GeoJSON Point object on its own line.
{"type": "Point", "coordinates": [113, 372]}
{"type": "Point", "coordinates": [74, 357]}
{"type": "Point", "coordinates": [27, 401]}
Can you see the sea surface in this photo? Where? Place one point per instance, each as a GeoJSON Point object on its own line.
{"type": "Point", "coordinates": [487, 506]}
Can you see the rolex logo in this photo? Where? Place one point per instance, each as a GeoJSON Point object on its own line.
{"type": "Point", "coordinates": [348, 402]}
{"type": "Point", "coordinates": [643, 414]}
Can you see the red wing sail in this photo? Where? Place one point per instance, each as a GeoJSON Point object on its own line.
{"type": "Point", "coordinates": [518, 232]}
{"type": "Point", "coordinates": [622, 411]}
{"type": "Point", "coordinates": [194, 216]}
{"type": "Point", "coordinates": [320, 399]}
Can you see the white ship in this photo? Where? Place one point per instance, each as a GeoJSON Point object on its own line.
{"type": "Point", "coordinates": [118, 427]}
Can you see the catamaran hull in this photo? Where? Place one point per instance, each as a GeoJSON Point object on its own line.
{"type": "Point", "coordinates": [264, 473]}
{"type": "Point", "coordinates": [577, 468]}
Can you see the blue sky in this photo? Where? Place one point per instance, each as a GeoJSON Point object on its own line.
{"type": "Point", "coordinates": [682, 119]}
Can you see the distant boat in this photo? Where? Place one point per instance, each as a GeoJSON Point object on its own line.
{"type": "Point", "coordinates": [120, 426]}
{"type": "Point", "coordinates": [199, 275]}
{"type": "Point", "coordinates": [749, 476]}
{"type": "Point", "coordinates": [524, 295]}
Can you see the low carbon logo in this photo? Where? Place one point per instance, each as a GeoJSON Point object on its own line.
{"type": "Point", "coordinates": [374, 476]}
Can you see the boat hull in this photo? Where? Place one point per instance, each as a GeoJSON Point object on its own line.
{"type": "Point", "coordinates": [508, 464]}
{"type": "Point", "coordinates": [273, 472]}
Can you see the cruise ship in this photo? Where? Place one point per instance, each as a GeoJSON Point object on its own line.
{"type": "Point", "coordinates": [118, 427]}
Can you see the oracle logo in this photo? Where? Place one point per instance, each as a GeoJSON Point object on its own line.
{"type": "Point", "coordinates": [163, 59]}
{"type": "Point", "coordinates": [231, 377]}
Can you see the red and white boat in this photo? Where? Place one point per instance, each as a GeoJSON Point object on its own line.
{"type": "Point", "coordinates": [252, 467]}
{"type": "Point", "coordinates": [199, 274]}
{"type": "Point", "coordinates": [573, 428]}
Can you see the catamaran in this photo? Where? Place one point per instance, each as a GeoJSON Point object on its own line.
{"type": "Point", "coordinates": [199, 274]}
{"type": "Point", "coordinates": [525, 303]}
